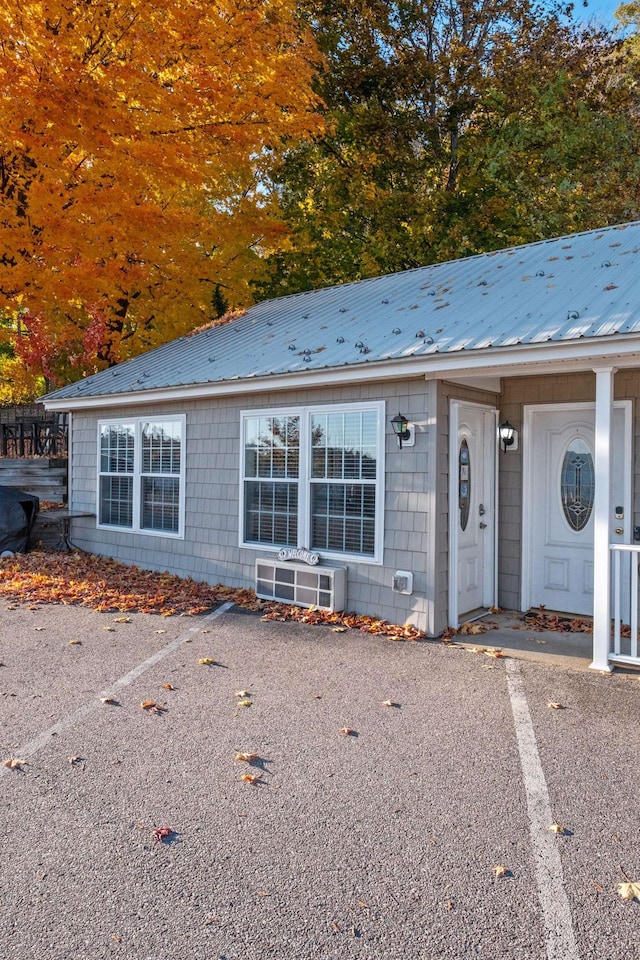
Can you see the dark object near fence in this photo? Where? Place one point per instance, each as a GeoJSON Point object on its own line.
{"type": "Point", "coordinates": [34, 436]}
{"type": "Point", "coordinates": [18, 512]}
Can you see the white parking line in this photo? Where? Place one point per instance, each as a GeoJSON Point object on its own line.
{"type": "Point", "coordinates": [556, 913]}
{"type": "Point", "coordinates": [72, 719]}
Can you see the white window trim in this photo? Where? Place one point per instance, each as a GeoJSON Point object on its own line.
{"type": "Point", "coordinates": [137, 474]}
{"type": "Point", "coordinates": [304, 478]}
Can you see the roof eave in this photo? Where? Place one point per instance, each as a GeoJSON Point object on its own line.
{"type": "Point", "coordinates": [520, 359]}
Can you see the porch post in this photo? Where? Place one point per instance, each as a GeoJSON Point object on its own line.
{"type": "Point", "coordinates": [601, 511]}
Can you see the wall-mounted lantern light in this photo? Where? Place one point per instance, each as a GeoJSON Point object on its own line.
{"type": "Point", "coordinates": [508, 436]}
{"type": "Point", "coordinates": [400, 426]}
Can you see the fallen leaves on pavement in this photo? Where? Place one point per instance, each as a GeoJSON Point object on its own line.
{"type": "Point", "coordinates": [558, 829]}
{"type": "Point", "coordinates": [476, 627]}
{"type": "Point", "coordinates": [251, 778]}
{"type": "Point", "coordinates": [540, 620]}
{"type": "Point", "coordinates": [162, 833]}
{"type": "Point", "coordinates": [150, 706]}
{"type": "Point", "coordinates": [105, 585]}
{"type": "Point", "coordinates": [15, 763]}
{"type": "Point", "coordinates": [367, 624]}
{"type": "Point", "coordinates": [629, 890]}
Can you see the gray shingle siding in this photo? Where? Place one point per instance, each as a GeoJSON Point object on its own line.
{"type": "Point", "coordinates": [210, 550]}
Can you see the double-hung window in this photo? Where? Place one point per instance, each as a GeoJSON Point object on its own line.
{"type": "Point", "coordinates": [313, 477]}
{"type": "Point", "coordinates": [141, 475]}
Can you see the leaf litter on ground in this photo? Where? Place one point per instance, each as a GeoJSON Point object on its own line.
{"type": "Point", "coordinates": [629, 890]}
{"type": "Point", "coordinates": [106, 585]}
{"type": "Point", "coordinates": [15, 763]}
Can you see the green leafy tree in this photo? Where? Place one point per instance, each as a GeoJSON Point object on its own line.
{"type": "Point", "coordinates": [452, 129]}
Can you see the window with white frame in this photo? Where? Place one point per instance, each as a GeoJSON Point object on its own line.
{"type": "Point", "coordinates": [313, 477]}
{"type": "Point", "coordinates": [141, 475]}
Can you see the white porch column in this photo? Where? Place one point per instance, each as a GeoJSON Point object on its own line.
{"type": "Point", "coordinates": [601, 517]}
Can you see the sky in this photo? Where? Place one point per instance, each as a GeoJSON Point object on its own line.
{"type": "Point", "coordinates": [601, 10]}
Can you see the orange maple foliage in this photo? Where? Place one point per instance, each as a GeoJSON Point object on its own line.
{"type": "Point", "coordinates": [135, 139]}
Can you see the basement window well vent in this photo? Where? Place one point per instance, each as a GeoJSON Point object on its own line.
{"type": "Point", "coordinates": [304, 586]}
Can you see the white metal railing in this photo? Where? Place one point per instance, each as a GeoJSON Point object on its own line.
{"type": "Point", "coordinates": [624, 582]}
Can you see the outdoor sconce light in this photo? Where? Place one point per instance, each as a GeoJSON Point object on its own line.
{"type": "Point", "coordinates": [400, 426]}
{"type": "Point", "coordinates": [508, 436]}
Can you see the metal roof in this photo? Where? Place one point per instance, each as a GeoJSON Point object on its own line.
{"type": "Point", "coordinates": [571, 288]}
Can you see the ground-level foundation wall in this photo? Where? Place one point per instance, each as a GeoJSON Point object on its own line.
{"type": "Point", "coordinates": [210, 550]}
{"type": "Point", "coordinates": [516, 394]}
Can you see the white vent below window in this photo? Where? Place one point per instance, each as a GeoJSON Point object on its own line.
{"type": "Point", "coordinates": [302, 585]}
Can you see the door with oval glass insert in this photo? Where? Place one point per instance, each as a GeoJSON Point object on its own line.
{"type": "Point", "coordinates": [560, 517]}
{"type": "Point", "coordinates": [473, 518]}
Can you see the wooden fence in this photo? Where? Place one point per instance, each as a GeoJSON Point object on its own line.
{"type": "Point", "coordinates": [43, 477]}
{"type": "Point", "coordinates": [31, 431]}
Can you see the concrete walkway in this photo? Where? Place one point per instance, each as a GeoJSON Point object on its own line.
{"type": "Point", "coordinates": [516, 639]}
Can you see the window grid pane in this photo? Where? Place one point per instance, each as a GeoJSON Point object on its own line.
{"type": "Point", "coordinates": [272, 447]}
{"type": "Point", "coordinates": [116, 501]}
{"type": "Point", "coordinates": [117, 448]}
{"type": "Point", "coordinates": [344, 446]}
{"type": "Point", "coordinates": [340, 469]}
{"type": "Point", "coordinates": [272, 464]}
{"type": "Point", "coordinates": [343, 517]}
{"type": "Point", "coordinates": [153, 472]}
{"type": "Point", "coordinates": [160, 504]}
{"type": "Point", "coordinates": [271, 513]}
{"type": "Point", "coordinates": [161, 447]}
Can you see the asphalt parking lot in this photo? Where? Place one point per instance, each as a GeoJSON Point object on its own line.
{"type": "Point", "coordinates": [378, 842]}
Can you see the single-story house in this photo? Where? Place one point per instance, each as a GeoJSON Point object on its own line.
{"type": "Point", "coordinates": [442, 440]}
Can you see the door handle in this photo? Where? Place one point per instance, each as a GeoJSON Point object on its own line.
{"type": "Point", "coordinates": [483, 526]}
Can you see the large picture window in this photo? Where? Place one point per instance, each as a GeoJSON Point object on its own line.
{"type": "Point", "coordinates": [141, 475]}
{"type": "Point", "coordinates": [313, 477]}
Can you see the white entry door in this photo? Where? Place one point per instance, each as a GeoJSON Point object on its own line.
{"type": "Point", "coordinates": [558, 503]}
{"type": "Point", "coordinates": [472, 517]}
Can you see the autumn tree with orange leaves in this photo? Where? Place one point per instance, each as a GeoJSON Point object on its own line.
{"type": "Point", "coordinates": [134, 139]}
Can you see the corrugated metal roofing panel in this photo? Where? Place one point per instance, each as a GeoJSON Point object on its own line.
{"type": "Point", "coordinates": [585, 285]}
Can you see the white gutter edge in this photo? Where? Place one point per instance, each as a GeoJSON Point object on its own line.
{"type": "Point", "coordinates": [432, 366]}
